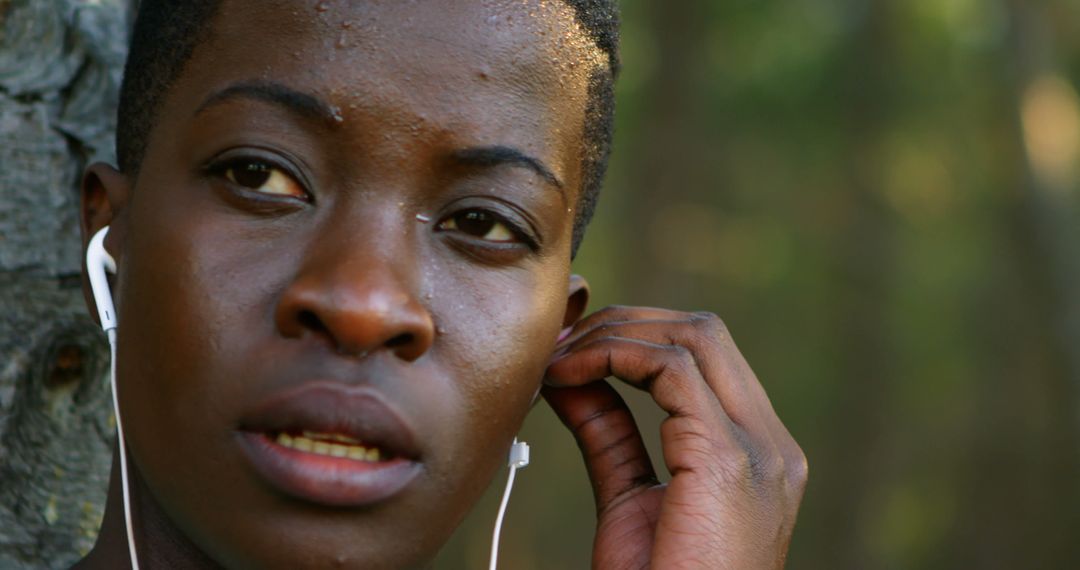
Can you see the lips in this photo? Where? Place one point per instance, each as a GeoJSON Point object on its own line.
{"type": "Point", "coordinates": [330, 443]}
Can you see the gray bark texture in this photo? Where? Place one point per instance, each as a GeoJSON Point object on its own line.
{"type": "Point", "coordinates": [60, 67]}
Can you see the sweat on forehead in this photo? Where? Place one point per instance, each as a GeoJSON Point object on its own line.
{"type": "Point", "coordinates": [394, 56]}
{"type": "Point", "coordinates": [166, 34]}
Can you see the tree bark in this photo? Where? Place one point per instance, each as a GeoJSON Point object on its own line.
{"type": "Point", "coordinates": [60, 67]}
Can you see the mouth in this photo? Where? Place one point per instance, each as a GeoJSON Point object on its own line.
{"type": "Point", "coordinates": [330, 444]}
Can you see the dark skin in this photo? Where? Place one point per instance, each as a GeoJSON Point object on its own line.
{"type": "Point", "coordinates": [380, 199]}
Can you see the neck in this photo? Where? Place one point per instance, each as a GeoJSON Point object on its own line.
{"type": "Point", "coordinates": [158, 542]}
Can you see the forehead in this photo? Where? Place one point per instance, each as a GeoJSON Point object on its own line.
{"type": "Point", "coordinates": [521, 38]}
{"type": "Point", "coordinates": [480, 69]}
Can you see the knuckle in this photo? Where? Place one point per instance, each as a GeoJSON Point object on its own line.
{"type": "Point", "coordinates": [769, 467]}
{"type": "Point", "coordinates": [675, 371]}
{"type": "Point", "coordinates": [709, 324]}
{"type": "Point", "coordinates": [736, 469]}
{"type": "Point", "coordinates": [798, 471]}
{"type": "Point", "coordinates": [681, 359]}
{"type": "Point", "coordinates": [757, 471]}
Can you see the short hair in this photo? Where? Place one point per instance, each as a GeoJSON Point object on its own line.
{"type": "Point", "coordinates": [166, 33]}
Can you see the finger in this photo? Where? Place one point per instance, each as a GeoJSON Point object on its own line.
{"type": "Point", "coordinates": [654, 330]}
{"type": "Point", "coordinates": [719, 362]}
{"type": "Point", "coordinates": [668, 372]}
{"type": "Point", "coordinates": [605, 430]}
{"type": "Point", "coordinates": [618, 313]}
{"type": "Point", "coordinates": [773, 454]}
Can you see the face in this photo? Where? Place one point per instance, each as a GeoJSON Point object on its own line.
{"type": "Point", "coordinates": [342, 269]}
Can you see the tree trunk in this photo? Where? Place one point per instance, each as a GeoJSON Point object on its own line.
{"type": "Point", "coordinates": [60, 67]}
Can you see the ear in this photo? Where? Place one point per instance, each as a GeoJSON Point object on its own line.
{"type": "Point", "coordinates": [104, 194]}
{"type": "Point", "coordinates": [577, 299]}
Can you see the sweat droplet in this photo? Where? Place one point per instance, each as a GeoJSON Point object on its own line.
{"type": "Point", "coordinates": [335, 113]}
{"type": "Point", "coordinates": [422, 218]}
{"type": "Point", "coordinates": [322, 6]}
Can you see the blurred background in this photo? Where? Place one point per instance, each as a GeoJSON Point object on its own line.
{"type": "Point", "coordinates": [881, 199]}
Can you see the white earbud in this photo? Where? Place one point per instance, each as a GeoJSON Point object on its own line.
{"type": "Point", "coordinates": [519, 457]}
{"type": "Point", "coordinates": [519, 454]}
{"type": "Point", "coordinates": [98, 263]}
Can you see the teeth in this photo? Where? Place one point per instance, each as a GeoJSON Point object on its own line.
{"type": "Point", "coordinates": [336, 437]}
{"type": "Point", "coordinates": [347, 448]}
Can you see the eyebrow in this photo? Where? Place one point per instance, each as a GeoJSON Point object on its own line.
{"type": "Point", "coordinates": [313, 107]}
{"type": "Point", "coordinates": [488, 156]}
{"type": "Point", "coordinates": [275, 93]}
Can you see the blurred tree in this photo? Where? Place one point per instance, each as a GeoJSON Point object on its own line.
{"type": "Point", "coordinates": [60, 64]}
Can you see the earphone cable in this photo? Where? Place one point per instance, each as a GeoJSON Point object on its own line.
{"type": "Point", "coordinates": [499, 519]}
{"type": "Point", "coordinates": [519, 457]}
{"type": "Point", "coordinates": [123, 451]}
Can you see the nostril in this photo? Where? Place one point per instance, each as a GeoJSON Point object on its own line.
{"type": "Point", "coordinates": [311, 321]}
{"type": "Point", "coordinates": [399, 340]}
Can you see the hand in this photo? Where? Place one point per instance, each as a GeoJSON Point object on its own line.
{"type": "Point", "coordinates": [737, 476]}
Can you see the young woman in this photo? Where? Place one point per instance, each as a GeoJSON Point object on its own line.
{"type": "Point", "coordinates": [343, 234]}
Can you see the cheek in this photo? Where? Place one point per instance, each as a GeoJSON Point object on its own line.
{"type": "Point", "coordinates": [499, 338]}
{"type": "Point", "coordinates": [196, 306]}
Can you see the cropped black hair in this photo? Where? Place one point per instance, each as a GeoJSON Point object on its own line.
{"type": "Point", "coordinates": [167, 31]}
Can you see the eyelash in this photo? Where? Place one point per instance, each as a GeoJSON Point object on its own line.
{"type": "Point", "coordinates": [219, 168]}
{"type": "Point", "coordinates": [521, 236]}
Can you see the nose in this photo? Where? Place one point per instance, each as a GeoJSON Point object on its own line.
{"type": "Point", "coordinates": [359, 303]}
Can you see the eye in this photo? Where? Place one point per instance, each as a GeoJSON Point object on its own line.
{"type": "Point", "coordinates": [263, 177]}
{"type": "Point", "coordinates": [480, 224]}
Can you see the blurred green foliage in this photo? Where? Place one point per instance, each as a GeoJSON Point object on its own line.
{"type": "Point", "coordinates": [881, 199]}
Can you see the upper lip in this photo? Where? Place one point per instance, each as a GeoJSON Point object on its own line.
{"type": "Point", "coordinates": [332, 407]}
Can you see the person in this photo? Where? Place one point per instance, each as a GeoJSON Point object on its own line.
{"type": "Point", "coordinates": [343, 234]}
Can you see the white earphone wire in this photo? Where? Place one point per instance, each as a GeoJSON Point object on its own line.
{"type": "Point", "coordinates": [519, 457]}
{"type": "Point", "coordinates": [123, 452]}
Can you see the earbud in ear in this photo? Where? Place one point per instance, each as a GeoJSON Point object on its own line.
{"type": "Point", "coordinates": [98, 262]}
